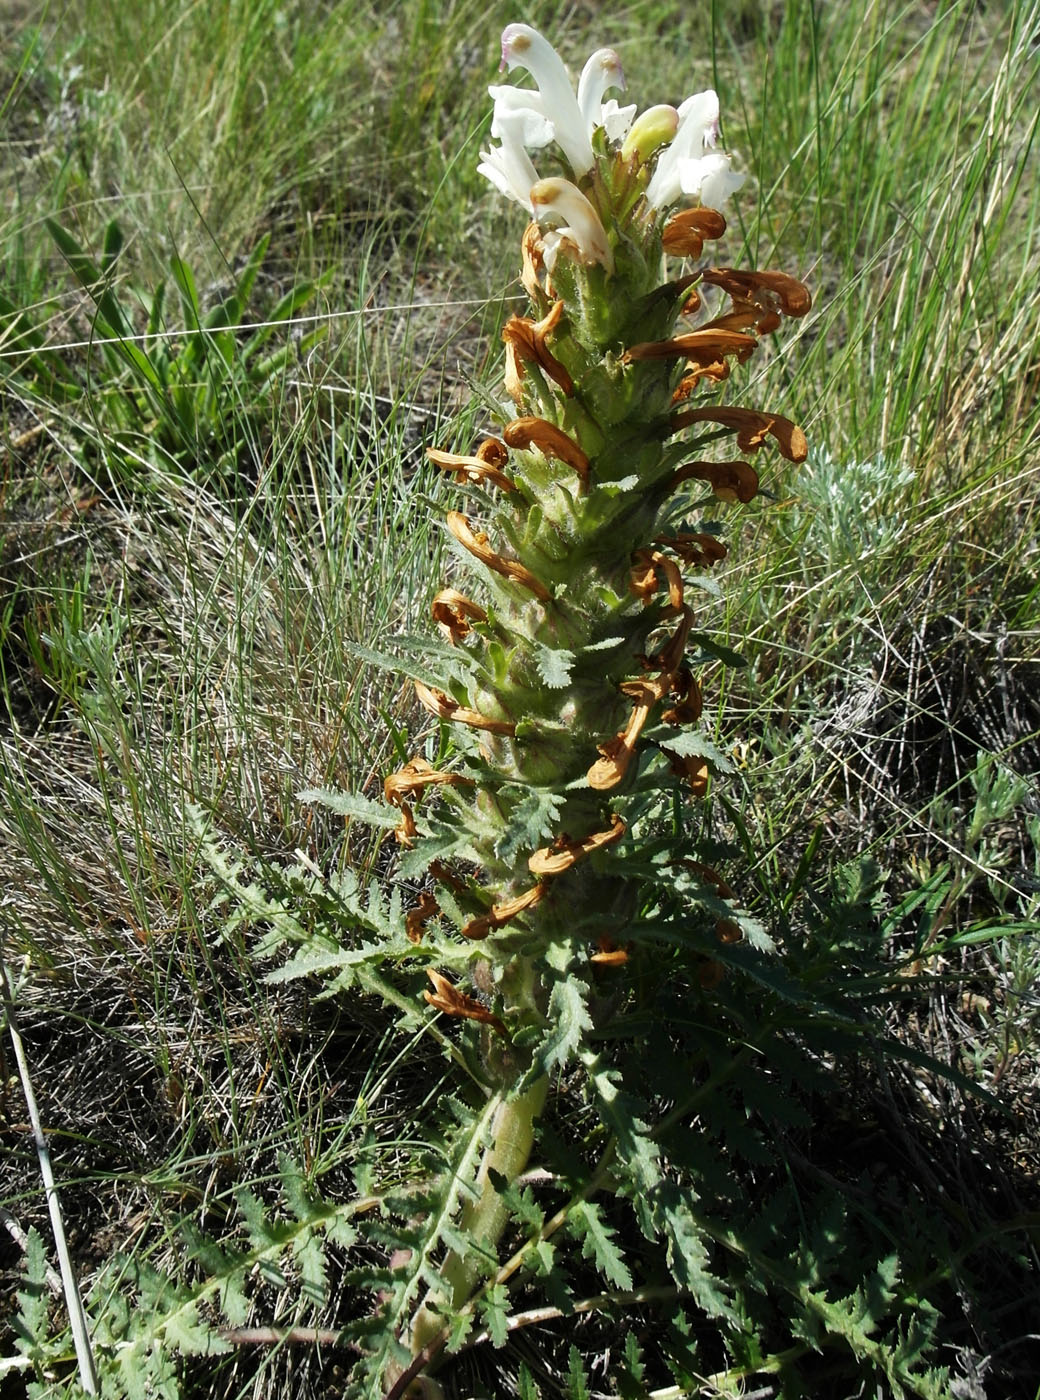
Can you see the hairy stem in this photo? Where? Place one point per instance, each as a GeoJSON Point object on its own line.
{"type": "Point", "coordinates": [484, 1218]}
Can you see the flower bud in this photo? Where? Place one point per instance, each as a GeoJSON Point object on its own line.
{"type": "Point", "coordinates": [650, 130]}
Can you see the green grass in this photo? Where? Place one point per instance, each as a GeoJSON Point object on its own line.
{"type": "Point", "coordinates": [176, 647]}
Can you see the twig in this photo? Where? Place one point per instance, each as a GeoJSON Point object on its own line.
{"type": "Point", "coordinates": [52, 1278]}
{"type": "Point", "coordinates": [73, 1301]}
{"type": "Point", "coordinates": [533, 1316]}
{"type": "Point", "coordinates": [291, 1336]}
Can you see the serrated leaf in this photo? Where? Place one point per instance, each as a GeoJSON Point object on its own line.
{"type": "Point", "coordinates": [615, 488]}
{"type": "Point", "coordinates": [461, 1326]}
{"type": "Point", "coordinates": [568, 1021]}
{"type": "Point", "coordinates": [543, 1257]}
{"type": "Point", "coordinates": [634, 1357]}
{"type": "Point", "coordinates": [687, 1254]}
{"type": "Point", "coordinates": [260, 1236]}
{"type": "Point", "coordinates": [586, 1223]}
{"type": "Point", "coordinates": [440, 845]}
{"type": "Point", "coordinates": [182, 1331]}
{"type": "Point", "coordinates": [532, 820]}
{"type": "Point", "coordinates": [310, 1258]}
{"type": "Point", "coordinates": [31, 1322]}
{"type": "Point", "coordinates": [494, 1306]}
{"type": "Point", "coordinates": [526, 1389]}
{"type": "Point", "coordinates": [232, 1299]}
{"type": "Point", "coordinates": [311, 961]}
{"type": "Point", "coordinates": [554, 667]}
{"type": "Point", "coordinates": [577, 1385]}
{"type": "Point", "coordinates": [350, 804]}
{"type": "Point", "coordinates": [411, 667]}
{"type": "Point", "coordinates": [690, 743]}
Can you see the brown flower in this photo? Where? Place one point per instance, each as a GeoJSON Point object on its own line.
{"type": "Point", "coordinates": [415, 919]}
{"type": "Point", "coordinates": [690, 767]}
{"type": "Point", "coordinates": [552, 441]}
{"type": "Point", "coordinates": [752, 428]}
{"type": "Point", "coordinates": [609, 954]}
{"type": "Point", "coordinates": [704, 348]}
{"type": "Point", "coordinates": [500, 914]}
{"type": "Point", "coordinates": [404, 831]}
{"type": "Point", "coordinates": [647, 566]}
{"type": "Point", "coordinates": [730, 481]}
{"type": "Point", "coordinates": [472, 469]}
{"type": "Point", "coordinates": [699, 550]}
{"type": "Point", "coordinates": [728, 931]}
{"type": "Point", "coordinates": [526, 341]}
{"type": "Point", "coordinates": [478, 546]}
{"type": "Point", "coordinates": [616, 754]}
{"type": "Point", "coordinates": [439, 703]}
{"type": "Point", "coordinates": [532, 271]}
{"type": "Point", "coordinates": [769, 293]}
{"type": "Point", "coordinates": [562, 854]}
{"type": "Point", "coordinates": [685, 232]}
{"type": "Point", "coordinates": [669, 658]}
{"type": "Point", "coordinates": [715, 370]}
{"type": "Point", "coordinates": [446, 997]}
{"type": "Point", "coordinates": [689, 703]}
{"type": "Point", "coordinates": [415, 777]}
{"type": "Point", "coordinates": [453, 612]}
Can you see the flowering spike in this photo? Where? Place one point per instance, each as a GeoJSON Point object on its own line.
{"type": "Point", "coordinates": [567, 675]}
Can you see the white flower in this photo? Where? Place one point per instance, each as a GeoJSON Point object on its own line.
{"type": "Point", "coordinates": [508, 166]}
{"type": "Point", "coordinates": [698, 131]}
{"type": "Point", "coordinates": [616, 121]}
{"type": "Point", "coordinates": [511, 102]}
{"type": "Point", "coordinates": [527, 119]}
{"type": "Point", "coordinates": [602, 71]}
{"type": "Point", "coordinates": [575, 220]}
{"type": "Point", "coordinates": [524, 47]}
{"type": "Point", "coordinates": [710, 178]}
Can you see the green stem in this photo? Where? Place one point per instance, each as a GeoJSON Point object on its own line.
{"type": "Point", "coordinates": [484, 1218]}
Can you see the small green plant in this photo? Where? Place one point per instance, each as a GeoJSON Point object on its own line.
{"type": "Point", "coordinates": [197, 396]}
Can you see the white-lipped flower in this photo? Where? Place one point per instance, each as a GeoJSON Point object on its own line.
{"type": "Point", "coordinates": [691, 160]}
{"type": "Point", "coordinates": [527, 119]}
{"type": "Point", "coordinates": [507, 165]}
{"type": "Point", "coordinates": [603, 71]}
{"type": "Point", "coordinates": [524, 47]}
{"type": "Point", "coordinates": [710, 178]}
{"type": "Point", "coordinates": [574, 221]}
